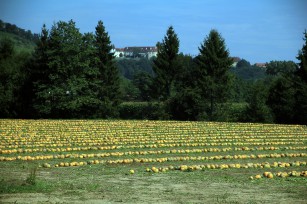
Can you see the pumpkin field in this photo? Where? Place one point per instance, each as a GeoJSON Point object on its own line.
{"type": "Point", "coordinates": [130, 161]}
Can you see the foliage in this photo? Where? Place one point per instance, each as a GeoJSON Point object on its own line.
{"type": "Point", "coordinates": [302, 57]}
{"type": "Point", "coordinates": [252, 73]}
{"type": "Point", "coordinates": [301, 84]}
{"type": "Point", "coordinates": [213, 64]}
{"type": "Point", "coordinates": [239, 90]}
{"type": "Point", "coordinates": [11, 28]}
{"type": "Point", "coordinates": [13, 77]}
{"type": "Point", "coordinates": [288, 95]}
{"type": "Point", "coordinates": [129, 91]}
{"type": "Point", "coordinates": [243, 63]}
{"type": "Point", "coordinates": [67, 83]}
{"type": "Point", "coordinates": [281, 68]}
{"type": "Point", "coordinates": [300, 108]}
{"type": "Point", "coordinates": [187, 105]}
{"type": "Point", "coordinates": [130, 67]}
{"type": "Point", "coordinates": [281, 99]}
{"type": "Point", "coordinates": [257, 110]}
{"type": "Point", "coordinates": [143, 82]}
{"type": "Point", "coordinates": [166, 66]}
{"type": "Point", "coordinates": [75, 75]}
{"type": "Point", "coordinates": [31, 179]}
{"type": "Point", "coordinates": [109, 91]}
{"type": "Point", "coordinates": [141, 110]}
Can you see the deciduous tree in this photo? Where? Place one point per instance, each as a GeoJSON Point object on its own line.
{"type": "Point", "coordinates": [66, 79]}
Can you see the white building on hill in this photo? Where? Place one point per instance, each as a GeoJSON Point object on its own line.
{"type": "Point", "coordinates": [135, 52]}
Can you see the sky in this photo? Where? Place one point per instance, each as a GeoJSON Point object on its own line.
{"type": "Point", "coordinates": [255, 30]}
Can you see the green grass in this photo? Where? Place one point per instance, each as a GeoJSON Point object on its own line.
{"type": "Point", "coordinates": [113, 183]}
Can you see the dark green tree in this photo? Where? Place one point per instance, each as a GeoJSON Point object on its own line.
{"type": "Point", "coordinates": [185, 77]}
{"type": "Point", "coordinates": [243, 63]}
{"type": "Point", "coordinates": [281, 67]}
{"type": "Point", "coordinates": [281, 99]}
{"type": "Point", "coordinates": [142, 80]}
{"type": "Point", "coordinates": [129, 91]}
{"type": "Point", "coordinates": [187, 104]}
{"type": "Point", "coordinates": [301, 84]}
{"type": "Point", "coordinates": [13, 76]}
{"type": "Point", "coordinates": [257, 109]}
{"type": "Point", "coordinates": [213, 65]}
{"type": "Point", "coordinates": [39, 75]}
{"type": "Point", "coordinates": [66, 80]}
{"type": "Point", "coordinates": [6, 48]}
{"type": "Point", "coordinates": [166, 66]}
{"type": "Point", "coordinates": [130, 67]}
{"type": "Point", "coordinates": [240, 90]}
{"type": "Point", "coordinates": [109, 74]}
{"type": "Point", "coordinates": [302, 57]}
{"type": "Point", "coordinates": [288, 94]}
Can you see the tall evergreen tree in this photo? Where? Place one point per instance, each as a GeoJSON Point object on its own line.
{"type": "Point", "coordinates": [301, 84]}
{"type": "Point", "coordinates": [302, 57]}
{"type": "Point", "coordinates": [288, 94]}
{"type": "Point", "coordinates": [213, 65]}
{"type": "Point", "coordinates": [39, 74]}
{"type": "Point", "coordinates": [109, 73]}
{"type": "Point", "coordinates": [281, 99]}
{"type": "Point", "coordinates": [165, 66]}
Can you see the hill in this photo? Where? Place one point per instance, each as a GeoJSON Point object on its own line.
{"type": "Point", "coordinates": [21, 44]}
{"type": "Point", "coordinates": [23, 40]}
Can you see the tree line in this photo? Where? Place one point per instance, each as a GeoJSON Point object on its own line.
{"type": "Point", "coordinates": [12, 28]}
{"type": "Point", "coordinates": [75, 75]}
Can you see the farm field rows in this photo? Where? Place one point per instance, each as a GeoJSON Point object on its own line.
{"type": "Point", "coordinates": [106, 161]}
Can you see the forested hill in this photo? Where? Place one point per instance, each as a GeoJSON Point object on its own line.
{"type": "Point", "coordinates": [25, 41]}
{"type": "Point", "coordinates": [130, 67]}
{"type": "Point", "coordinates": [22, 40]}
{"type": "Point", "coordinates": [73, 75]}
{"type": "Point", "coordinates": [22, 33]}
{"type": "Point", "coordinates": [20, 44]}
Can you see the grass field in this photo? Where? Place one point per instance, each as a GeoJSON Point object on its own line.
{"type": "Point", "coordinates": [98, 161]}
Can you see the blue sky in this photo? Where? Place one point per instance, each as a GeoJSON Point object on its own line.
{"type": "Point", "coordinates": [256, 30]}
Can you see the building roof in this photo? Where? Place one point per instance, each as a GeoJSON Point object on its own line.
{"type": "Point", "coordinates": [261, 64]}
{"type": "Point", "coordinates": [138, 49]}
{"type": "Point", "coordinates": [236, 59]}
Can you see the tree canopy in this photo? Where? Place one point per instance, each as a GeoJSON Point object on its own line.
{"type": "Point", "coordinates": [213, 65]}
{"type": "Point", "coordinates": [165, 66]}
{"type": "Point", "coordinates": [75, 75]}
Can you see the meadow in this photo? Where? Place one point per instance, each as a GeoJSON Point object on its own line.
{"type": "Point", "coordinates": [140, 161]}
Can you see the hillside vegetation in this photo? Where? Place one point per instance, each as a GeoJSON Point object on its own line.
{"type": "Point", "coordinates": [20, 44]}
{"type": "Point", "coordinates": [63, 73]}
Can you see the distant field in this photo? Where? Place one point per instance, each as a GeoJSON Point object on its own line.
{"type": "Point", "coordinates": [100, 161]}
